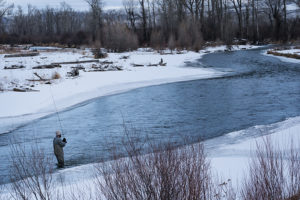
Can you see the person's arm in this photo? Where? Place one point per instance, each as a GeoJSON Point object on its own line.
{"type": "Point", "coordinates": [61, 143]}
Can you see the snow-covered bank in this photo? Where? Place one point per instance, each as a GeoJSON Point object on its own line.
{"type": "Point", "coordinates": [230, 154]}
{"type": "Point", "coordinates": [16, 108]}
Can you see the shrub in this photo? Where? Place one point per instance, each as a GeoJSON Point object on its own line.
{"type": "Point", "coordinates": [30, 173]}
{"type": "Point", "coordinates": [273, 174]}
{"type": "Point", "coordinates": [166, 173]}
{"type": "Point", "coordinates": [288, 55]}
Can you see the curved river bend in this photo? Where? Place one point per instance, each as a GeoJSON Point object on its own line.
{"type": "Point", "coordinates": [257, 90]}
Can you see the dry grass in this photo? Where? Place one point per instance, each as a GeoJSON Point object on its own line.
{"type": "Point", "coordinates": [288, 55]}
{"type": "Point", "coordinates": [56, 75]}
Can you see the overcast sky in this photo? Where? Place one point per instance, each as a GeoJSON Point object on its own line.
{"type": "Point", "coordinates": [76, 4]}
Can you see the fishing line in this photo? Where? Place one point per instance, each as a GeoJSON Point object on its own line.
{"type": "Point", "coordinates": [57, 114]}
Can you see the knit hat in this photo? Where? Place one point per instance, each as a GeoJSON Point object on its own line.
{"type": "Point", "coordinates": [58, 133]}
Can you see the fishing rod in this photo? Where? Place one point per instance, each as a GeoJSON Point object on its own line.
{"type": "Point", "coordinates": [57, 114]}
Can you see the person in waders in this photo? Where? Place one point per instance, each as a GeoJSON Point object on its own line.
{"type": "Point", "coordinates": [58, 145]}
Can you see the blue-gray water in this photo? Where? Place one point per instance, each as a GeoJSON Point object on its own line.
{"type": "Point", "coordinates": [257, 90]}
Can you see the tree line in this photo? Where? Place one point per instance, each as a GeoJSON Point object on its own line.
{"type": "Point", "coordinates": [156, 23]}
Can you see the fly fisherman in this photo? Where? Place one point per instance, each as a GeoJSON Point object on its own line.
{"type": "Point", "coordinates": [58, 145]}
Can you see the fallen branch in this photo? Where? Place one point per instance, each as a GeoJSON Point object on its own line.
{"type": "Point", "coordinates": [24, 90]}
{"type": "Point", "coordinates": [79, 68]}
{"type": "Point", "coordinates": [106, 62]}
{"type": "Point", "coordinates": [15, 67]}
{"type": "Point", "coordinates": [38, 76]}
{"type": "Point", "coordinates": [37, 80]}
{"type": "Point", "coordinates": [48, 66]}
{"type": "Point", "coordinates": [137, 65]}
{"type": "Point", "coordinates": [161, 63]}
{"type": "Point", "coordinates": [124, 57]}
{"type": "Point", "coordinates": [106, 68]}
{"type": "Point", "coordinates": [22, 55]}
{"type": "Point", "coordinates": [75, 62]}
{"type": "Point", "coordinates": [73, 73]}
{"type": "Point", "coordinates": [152, 65]}
{"type": "Point", "coordinates": [41, 79]}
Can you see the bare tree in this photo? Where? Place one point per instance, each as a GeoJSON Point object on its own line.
{"type": "Point", "coordinates": [96, 21]}
{"type": "Point", "coordinates": [237, 4]}
{"type": "Point", "coordinates": [195, 7]}
{"type": "Point", "coordinates": [144, 16]}
{"type": "Point", "coordinates": [4, 8]}
{"type": "Point", "coordinates": [130, 9]}
{"type": "Point", "coordinates": [275, 9]}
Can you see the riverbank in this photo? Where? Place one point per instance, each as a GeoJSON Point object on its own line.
{"type": "Point", "coordinates": [229, 156]}
{"type": "Point", "coordinates": [64, 92]}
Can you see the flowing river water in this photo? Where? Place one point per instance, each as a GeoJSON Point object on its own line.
{"type": "Point", "coordinates": [256, 90]}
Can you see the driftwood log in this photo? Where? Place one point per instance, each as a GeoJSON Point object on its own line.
{"type": "Point", "coordinates": [24, 90]}
{"type": "Point", "coordinates": [79, 68]}
{"type": "Point", "coordinates": [137, 65]}
{"type": "Point", "coordinates": [73, 73]}
{"type": "Point", "coordinates": [38, 80]}
{"type": "Point", "coordinates": [48, 66]}
{"type": "Point", "coordinates": [124, 57]}
{"type": "Point", "coordinates": [22, 55]}
{"type": "Point", "coordinates": [15, 67]}
{"type": "Point", "coordinates": [106, 62]}
{"type": "Point", "coordinates": [152, 65]}
{"type": "Point", "coordinates": [106, 68]}
{"type": "Point", "coordinates": [76, 62]}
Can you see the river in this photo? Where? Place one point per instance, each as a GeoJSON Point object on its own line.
{"type": "Point", "coordinates": [256, 90]}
